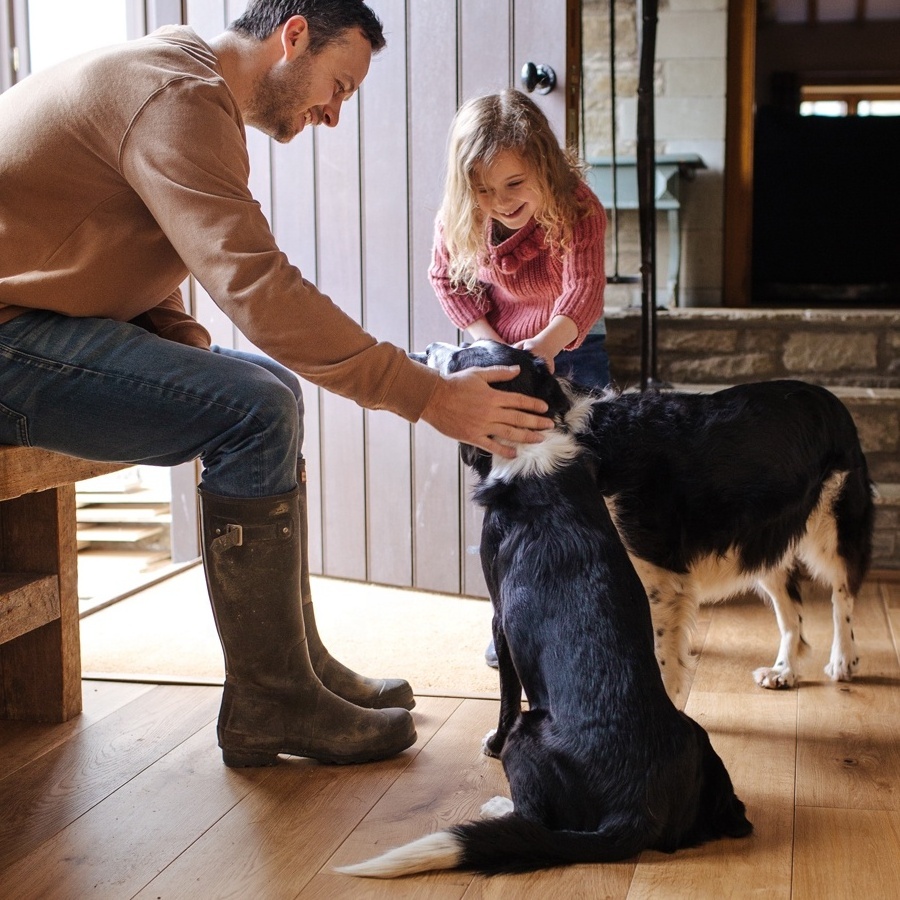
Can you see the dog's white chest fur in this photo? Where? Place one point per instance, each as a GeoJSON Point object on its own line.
{"type": "Point", "coordinates": [558, 448]}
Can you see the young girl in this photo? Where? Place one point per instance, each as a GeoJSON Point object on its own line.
{"type": "Point", "coordinates": [519, 239]}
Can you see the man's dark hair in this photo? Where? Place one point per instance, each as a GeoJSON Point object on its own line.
{"type": "Point", "coordinates": [328, 20]}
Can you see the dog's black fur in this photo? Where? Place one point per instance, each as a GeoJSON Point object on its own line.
{"type": "Point", "coordinates": [602, 765]}
{"type": "Point", "coordinates": [714, 494]}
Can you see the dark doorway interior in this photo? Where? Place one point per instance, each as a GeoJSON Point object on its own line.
{"type": "Point", "coordinates": [826, 223]}
{"type": "Point", "coordinates": [826, 185]}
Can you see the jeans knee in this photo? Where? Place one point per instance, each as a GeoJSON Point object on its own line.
{"type": "Point", "coordinates": [257, 455]}
{"type": "Point", "coordinates": [277, 410]}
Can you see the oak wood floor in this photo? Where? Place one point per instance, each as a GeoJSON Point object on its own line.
{"type": "Point", "coordinates": [131, 798]}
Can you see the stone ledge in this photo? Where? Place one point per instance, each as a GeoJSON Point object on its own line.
{"type": "Point", "coordinates": [752, 315]}
{"type": "Point", "coordinates": [886, 536]}
{"type": "Point", "coordinates": [830, 347]}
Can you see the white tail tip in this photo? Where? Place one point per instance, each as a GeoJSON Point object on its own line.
{"type": "Point", "coordinates": [436, 851]}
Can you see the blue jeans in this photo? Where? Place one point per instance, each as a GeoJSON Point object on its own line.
{"type": "Point", "coordinates": [111, 391]}
{"type": "Point", "coordinates": [588, 365]}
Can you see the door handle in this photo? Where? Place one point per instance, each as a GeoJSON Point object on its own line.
{"type": "Point", "coordinates": [538, 77]}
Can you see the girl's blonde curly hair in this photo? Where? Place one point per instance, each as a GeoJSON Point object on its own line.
{"type": "Point", "coordinates": [482, 128]}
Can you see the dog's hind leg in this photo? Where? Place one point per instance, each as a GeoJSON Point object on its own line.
{"type": "Point", "coordinates": [821, 550]}
{"type": "Point", "coordinates": [844, 660]}
{"type": "Point", "coordinates": [510, 694]}
{"type": "Point", "coordinates": [780, 586]}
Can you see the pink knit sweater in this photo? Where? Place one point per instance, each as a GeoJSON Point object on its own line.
{"type": "Point", "coordinates": [525, 283]}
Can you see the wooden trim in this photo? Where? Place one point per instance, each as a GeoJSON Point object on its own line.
{"type": "Point", "coordinates": [573, 74]}
{"type": "Point", "coordinates": [740, 93]}
{"type": "Point", "coordinates": [892, 575]}
{"type": "Point", "coordinates": [7, 73]}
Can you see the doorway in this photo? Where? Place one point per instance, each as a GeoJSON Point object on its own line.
{"type": "Point", "coordinates": [813, 135]}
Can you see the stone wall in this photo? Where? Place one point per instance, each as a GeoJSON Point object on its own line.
{"type": "Point", "coordinates": [724, 346]}
{"type": "Point", "coordinates": [886, 538]}
{"type": "Point", "coordinates": [690, 77]}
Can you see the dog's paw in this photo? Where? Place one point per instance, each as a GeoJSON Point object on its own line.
{"type": "Point", "coordinates": [490, 746]}
{"type": "Point", "coordinates": [496, 807]}
{"type": "Point", "coordinates": [842, 668]}
{"type": "Point", "coordinates": [775, 678]}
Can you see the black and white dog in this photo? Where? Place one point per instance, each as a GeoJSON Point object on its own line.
{"type": "Point", "coordinates": [717, 494]}
{"type": "Point", "coordinates": [741, 489]}
{"type": "Point", "coordinates": [602, 765]}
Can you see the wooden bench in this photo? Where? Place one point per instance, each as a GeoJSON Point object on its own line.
{"type": "Point", "coordinates": [40, 654]}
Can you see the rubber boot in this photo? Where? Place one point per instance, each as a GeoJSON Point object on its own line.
{"type": "Point", "coordinates": [273, 702]}
{"type": "Point", "coordinates": [370, 693]}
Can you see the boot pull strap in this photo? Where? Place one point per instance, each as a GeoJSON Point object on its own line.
{"type": "Point", "coordinates": [232, 535]}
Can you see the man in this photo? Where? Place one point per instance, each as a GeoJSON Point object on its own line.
{"type": "Point", "coordinates": [120, 172]}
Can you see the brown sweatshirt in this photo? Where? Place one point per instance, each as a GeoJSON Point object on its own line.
{"type": "Point", "coordinates": [123, 170]}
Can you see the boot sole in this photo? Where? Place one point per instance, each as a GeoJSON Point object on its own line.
{"type": "Point", "coordinates": [244, 759]}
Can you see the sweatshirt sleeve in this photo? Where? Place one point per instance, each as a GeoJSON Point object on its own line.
{"type": "Point", "coordinates": [170, 320]}
{"type": "Point", "coordinates": [462, 307]}
{"type": "Point", "coordinates": [186, 156]}
{"type": "Point", "coordinates": [584, 273]}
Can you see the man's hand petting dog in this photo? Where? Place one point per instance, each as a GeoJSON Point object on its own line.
{"type": "Point", "coordinates": [465, 407]}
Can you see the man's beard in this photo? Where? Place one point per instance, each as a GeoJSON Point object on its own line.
{"type": "Point", "coordinates": [278, 96]}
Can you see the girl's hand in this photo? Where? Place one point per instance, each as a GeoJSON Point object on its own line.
{"type": "Point", "coordinates": [547, 343]}
{"type": "Point", "coordinates": [538, 348]}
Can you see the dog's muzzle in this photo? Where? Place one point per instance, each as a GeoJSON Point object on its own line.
{"type": "Point", "coordinates": [437, 355]}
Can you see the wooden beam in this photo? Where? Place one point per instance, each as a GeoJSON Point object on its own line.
{"type": "Point", "coordinates": [740, 94]}
{"type": "Point", "coordinates": [26, 602]}
{"type": "Point", "coordinates": [27, 469]}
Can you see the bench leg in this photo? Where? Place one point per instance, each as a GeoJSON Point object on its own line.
{"type": "Point", "coordinates": [40, 672]}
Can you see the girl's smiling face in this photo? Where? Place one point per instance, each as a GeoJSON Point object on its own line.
{"type": "Point", "coordinates": [506, 190]}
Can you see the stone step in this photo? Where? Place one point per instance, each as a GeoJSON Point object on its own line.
{"type": "Point", "coordinates": [876, 412]}
{"type": "Point", "coordinates": [886, 539]}
{"type": "Point", "coordinates": [830, 347]}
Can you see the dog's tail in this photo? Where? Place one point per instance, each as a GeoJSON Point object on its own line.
{"type": "Point", "coordinates": [505, 844]}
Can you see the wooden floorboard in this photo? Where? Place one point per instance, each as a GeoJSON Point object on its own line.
{"type": "Point", "coordinates": [131, 799]}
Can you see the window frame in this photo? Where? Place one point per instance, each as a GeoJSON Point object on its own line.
{"type": "Point", "coordinates": [849, 94]}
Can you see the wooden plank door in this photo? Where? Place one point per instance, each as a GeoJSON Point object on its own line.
{"type": "Point", "coordinates": [458, 50]}
{"type": "Point", "coordinates": [353, 207]}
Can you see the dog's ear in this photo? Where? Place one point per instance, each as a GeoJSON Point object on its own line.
{"type": "Point", "coordinates": [536, 380]}
{"type": "Point", "coordinates": [550, 390]}
{"type": "Point", "coordinates": [476, 458]}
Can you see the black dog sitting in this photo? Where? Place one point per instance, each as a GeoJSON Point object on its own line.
{"type": "Point", "coordinates": [602, 765]}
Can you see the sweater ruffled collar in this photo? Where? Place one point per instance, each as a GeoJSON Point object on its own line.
{"type": "Point", "coordinates": [520, 247]}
